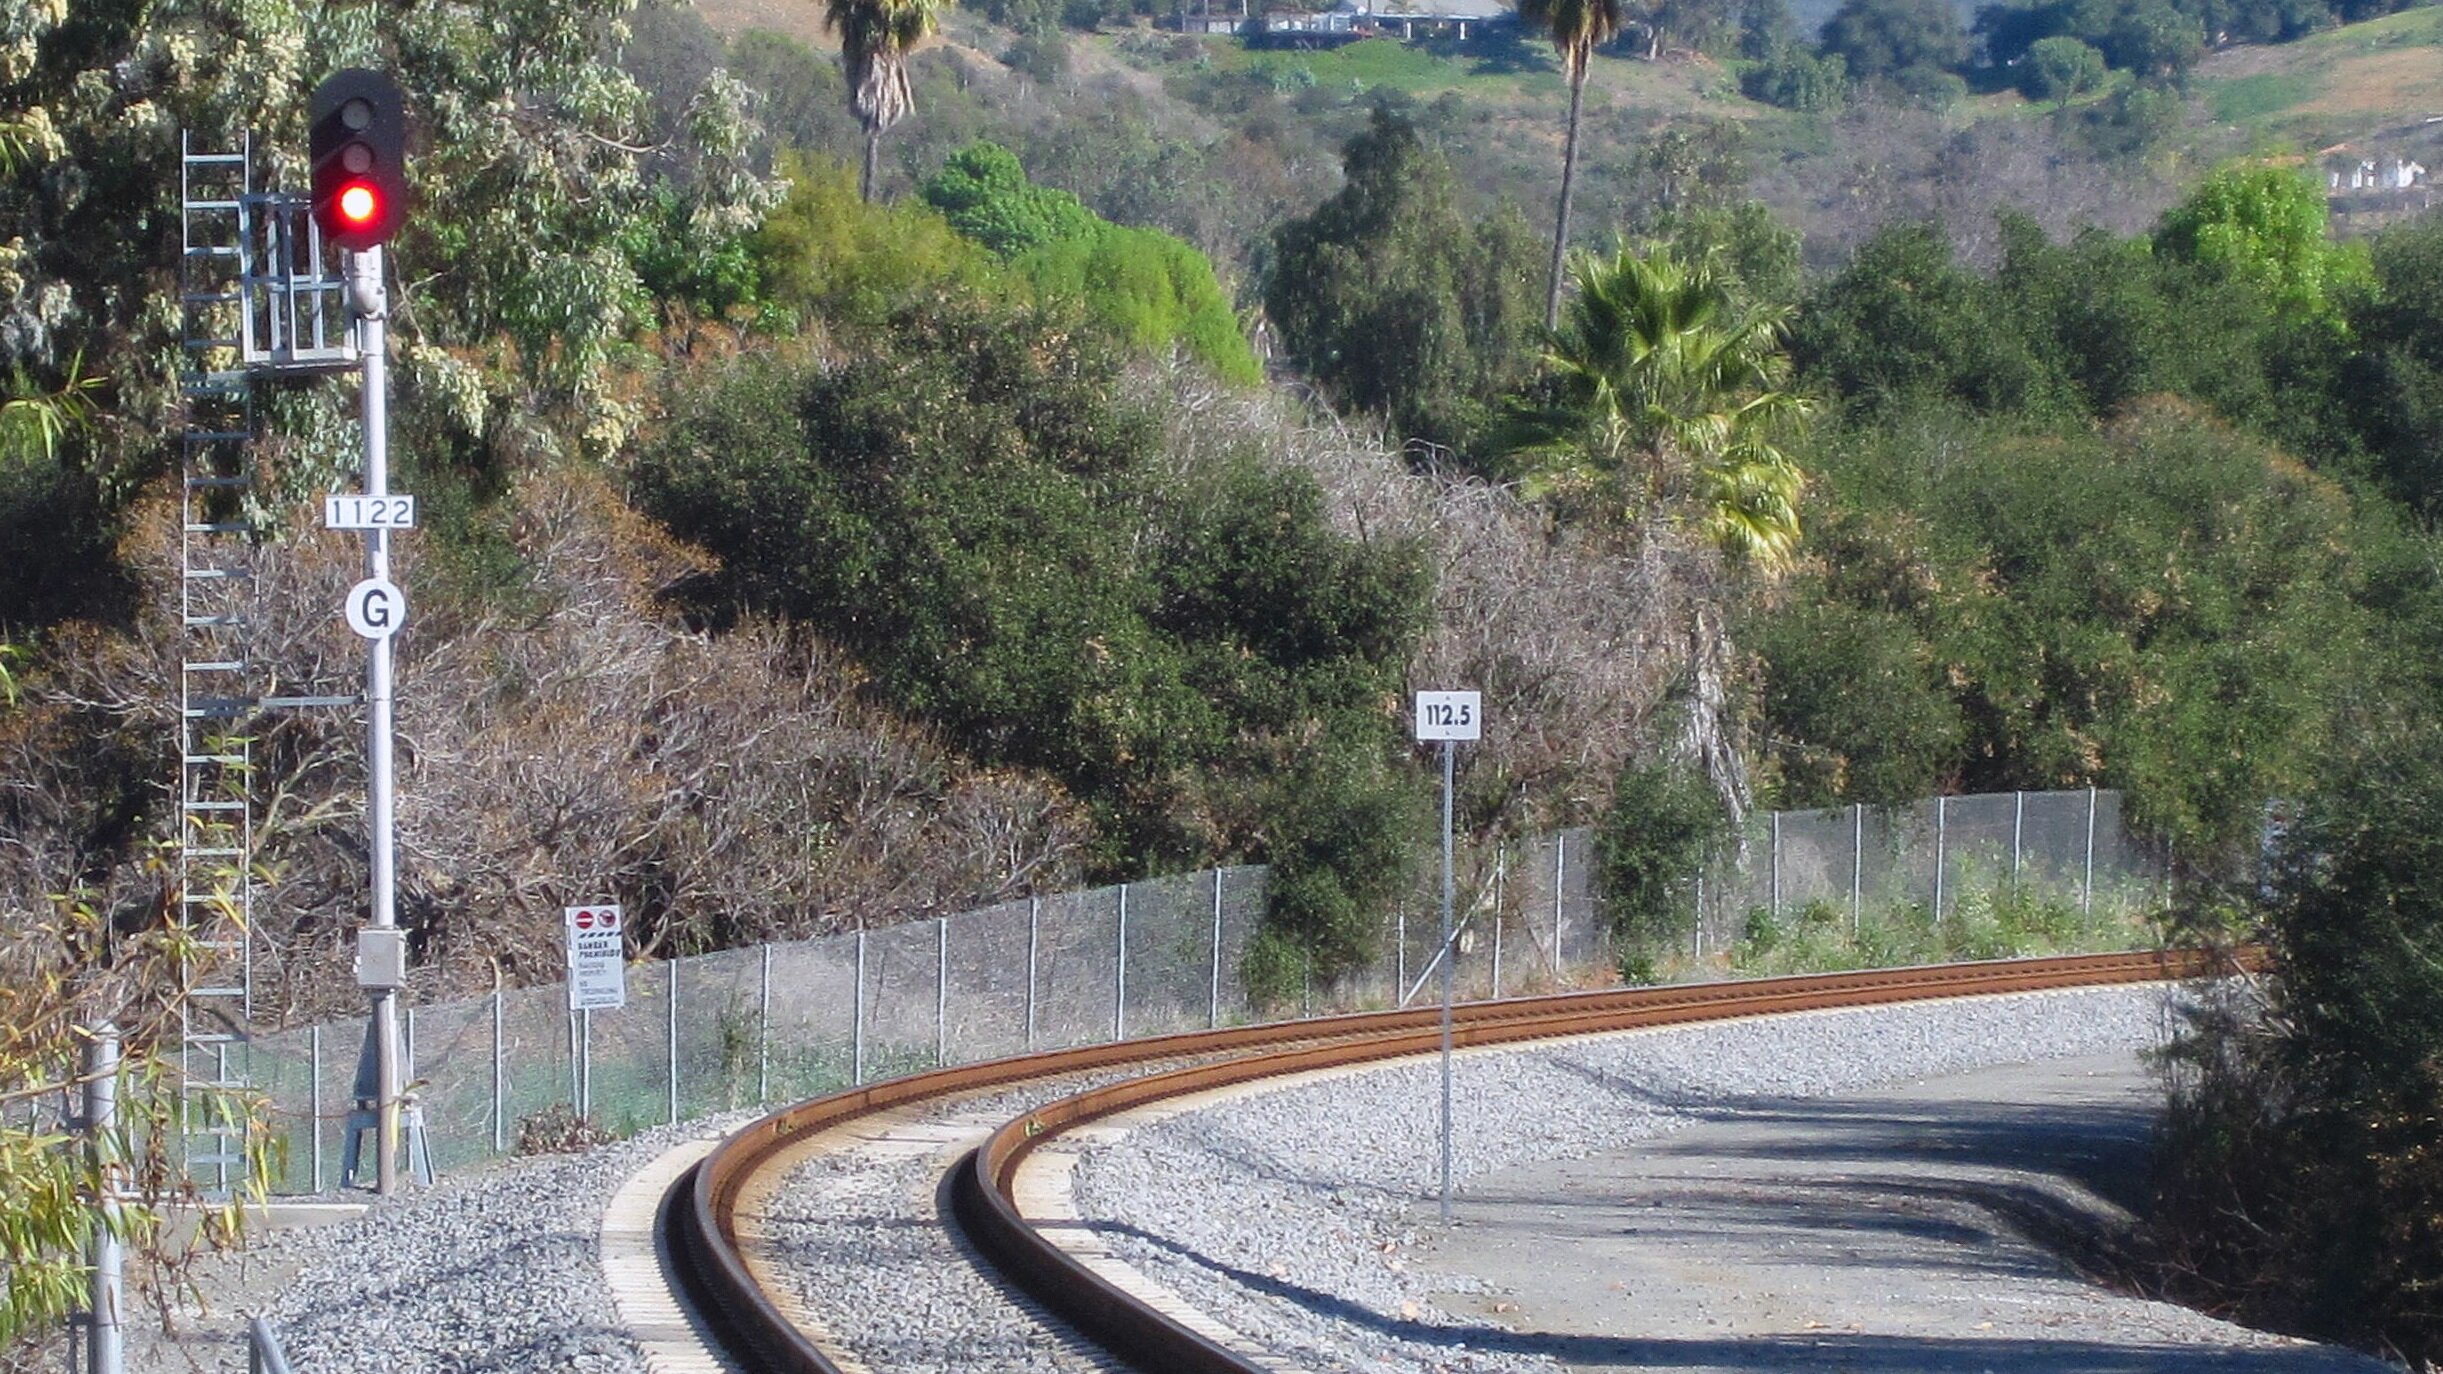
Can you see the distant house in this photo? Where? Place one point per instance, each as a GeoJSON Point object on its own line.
{"type": "Point", "coordinates": [2367, 174]}
{"type": "Point", "coordinates": [1350, 21]}
{"type": "Point", "coordinates": [2365, 193]}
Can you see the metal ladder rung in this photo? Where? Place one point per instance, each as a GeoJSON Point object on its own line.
{"type": "Point", "coordinates": [213, 204]}
{"type": "Point", "coordinates": [214, 805]}
{"type": "Point", "coordinates": [216, 574]}
{"type": "Point", "coordinates": [211, 297]}
{"type": "Point", "coordinates": [196, 482]}
{"type": "Point", "coordinates": [192, 759]}
{"type": "Point", "coordinates": [199, 345]}
{"type": "Point", "coordinates": [198, 622]}
{"type": "Point", "coordinates": [229, 667]}
{"type": "Point", "coordinates": [211, 250]}
{"type": "Point", "coordinates": [220, 708]}
{"type": "Point", "coordinates": [214, 159]}
{"type": "Point", "coordinates": [211, 382]}
{"type": "Point", "coordinates": [216, 853]}
{"type": "Point", "coordinates": [236, 527]}
{"type": "Point", "coordinates": [206, 898]}
{"type": "Point", "coordinates": [292, 703]}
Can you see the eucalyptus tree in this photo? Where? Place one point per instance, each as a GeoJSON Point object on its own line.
{"type": "Point", "coordinates": [1577, 28]}
{"type": "Point", "coordinates": [875, 38]}
{"type": "Point", "coordinates": [1664, 389]}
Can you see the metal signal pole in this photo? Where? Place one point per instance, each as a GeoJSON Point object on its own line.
{"type": "Point", "coordinates": [381, 949]}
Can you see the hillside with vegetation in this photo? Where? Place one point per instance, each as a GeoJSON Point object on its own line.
{"type": "Point", "coordinates": [1029, 448]}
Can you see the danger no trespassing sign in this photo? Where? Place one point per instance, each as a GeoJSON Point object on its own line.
{"type": "Point", "coordinates": [597, 959]}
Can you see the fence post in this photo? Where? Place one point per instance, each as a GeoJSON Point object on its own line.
{"type": "Point", "coordinates": [1857, 866]}
{"type": "Point", "coordinates": [763, 1032]}
{"type": "Point", "coordinates": [1774, 866]}
{"type": "Point", "coordinates": [585, 1064]}
{"type": "Point", "coordinates": [1119, 973]}
{"type": "Point", "coordinates": [674, 1040]}
{"type": "Point", "coordinates": [856, 1035]}
{"type": "Point", "coordinates": [1399, 953]}
{"type": "Point", "coordinates": [2018, 829]}
{"type": "Point", "coordinates": [1942, 814]}
{"type": "Point", "coordinates": [1034, 933]}
{"type": "Point", "coordinates": [1501, 868]}
{"type": "Point", "coordinates": [1698, 938]}
{"type": "Point", "coordinates": [2086, 895]}
{"type": "Point", "coordinates": [109, 1256]}
{"type": "Point", "coordinates": [313, 1087]}
{"type": "Point", "coordinates": [500, 1072]}
{"type": "Point", "coordinates": [941, 991]}
{"type": "Point", "coordinates": [1560, 875]}
{"type": "Point", "coordinates": [1213, 997]}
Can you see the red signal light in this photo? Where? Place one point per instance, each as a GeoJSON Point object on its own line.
{"type": "Point", "coordinates": [359, 204]}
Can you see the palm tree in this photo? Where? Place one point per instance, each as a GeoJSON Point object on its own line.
{"type": "Point", "coordinates": [1577, 28]}
{"type": "Point", "coordinates": [1665, 388]}
{"type": "Point", "coordinates": [875, 36]}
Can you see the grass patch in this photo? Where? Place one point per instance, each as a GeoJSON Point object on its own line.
{"type": "Point", "coordinates": [2242, 99]}
{"type": "Point", "coordinates": [1384, 62]}
{"type": "Point", "coordinates": [1991, 920]}
{"type": "Point", "coordinates": [2416, 28]}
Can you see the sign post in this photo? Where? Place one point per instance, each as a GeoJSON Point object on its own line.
{"type": "Point", "coordinates": [1448, 717]}
{"type": "Point", "coordinates": [597, 958]}
{"type": "Point", "coordinates": [597, 981]}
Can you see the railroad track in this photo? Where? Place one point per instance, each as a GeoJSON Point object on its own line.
{"type": "Point", "coordinates": [704, 1219]}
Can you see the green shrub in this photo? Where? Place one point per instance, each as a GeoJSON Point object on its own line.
{"type": "Point", "coordinates": [968, 507]}
{"type": "Point", "coordinates": [828, 254]}
{"type": "Point", "coordinates": [1664, 827]}
{"type": "Point", "coordinates": [1797, 79]}
{"type": "Point", "coordinates": [1150, 288]}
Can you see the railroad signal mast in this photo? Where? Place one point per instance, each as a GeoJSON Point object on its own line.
{"type": "Point", "coordinates": [358, 144]}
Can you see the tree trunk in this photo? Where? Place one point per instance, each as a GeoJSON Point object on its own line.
{"type": "Point", "coordinates": [1569, 176]}
{"type": "Point", "coordinates": [873, 163]}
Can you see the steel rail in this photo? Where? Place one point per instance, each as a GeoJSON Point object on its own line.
{"type": "Point", "coordinates": [701, 1223]}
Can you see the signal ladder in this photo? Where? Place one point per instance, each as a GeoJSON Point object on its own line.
{"type": "Point", "coordinates": [255, 298]}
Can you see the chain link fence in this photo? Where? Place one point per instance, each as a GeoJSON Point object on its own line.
{"type": "Point", "coordinates": [782, 1022]}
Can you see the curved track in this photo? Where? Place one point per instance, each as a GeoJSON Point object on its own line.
{"type": "Point", "coordinates": [702, 1217]}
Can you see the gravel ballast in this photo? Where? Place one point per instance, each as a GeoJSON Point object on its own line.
{"type": "Point", "coordinates": [1292, 1215]}
{"type": "Point", "coordinates": [1288, 1214]}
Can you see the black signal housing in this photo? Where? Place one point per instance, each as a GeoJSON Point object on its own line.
{"type": "Point", "coordinates": [358, 144]}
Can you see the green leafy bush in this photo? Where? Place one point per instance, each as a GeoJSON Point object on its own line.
{"type": "Point", "coordinates": [2302, 1177]}
{"type": "Point", "coordinates": [2164, 607]}
{"type": "Point", "coordinates": [826, 253]}
{"type": "Point", "coordinates": [967, 506]}
{"type": "Point", "coordinates": [1149, 287]}
{"type": "Point", "coordinates": [1665, 825]}
{"type": "Point", "coordinates": [1797, 79]}
{"type": "Point", "coordinates": [2060, 67]}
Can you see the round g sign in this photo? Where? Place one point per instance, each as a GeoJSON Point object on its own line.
{"type": "Point", "coordinates": [376, 608]}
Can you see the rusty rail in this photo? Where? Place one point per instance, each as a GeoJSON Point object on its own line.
{"type": "Point", "coordinates": [700, 1222]}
